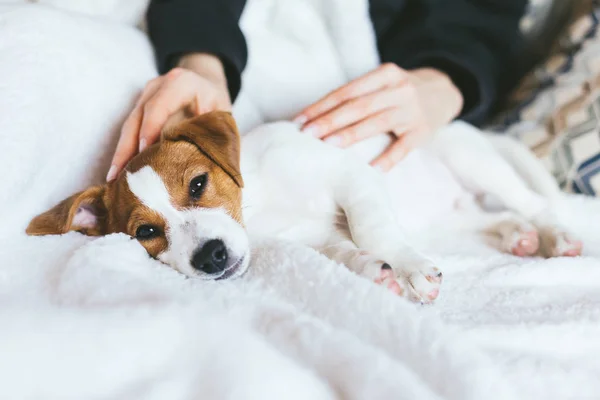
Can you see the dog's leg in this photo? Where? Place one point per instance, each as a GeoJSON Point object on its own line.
{"type": "Point", "coordinates": [481, 169]}
{"type": "Point", "coordinates": [335, 179]}
{"type": "Point", "coordinates": [360, 192]}
{"type": "Point", "coordinates": [343, 250]}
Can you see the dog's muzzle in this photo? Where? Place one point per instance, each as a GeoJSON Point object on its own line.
{"type": "Point", "coordinates": [213, 259]}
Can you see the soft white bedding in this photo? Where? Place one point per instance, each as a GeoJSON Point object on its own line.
{"type": "Point", "coordinates": [86, 318]}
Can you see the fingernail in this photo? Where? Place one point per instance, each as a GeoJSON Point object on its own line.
{"type": "Point", "coordinates": [333, 140]}
{"type": "Point", "coordinates": [112, 173]}
{"type": "Point", "coordinates": [142, 145]}
{"type": "Point", "coordinates": [311, 130]}
{"type": "Point", "coordinates": [300, 120]}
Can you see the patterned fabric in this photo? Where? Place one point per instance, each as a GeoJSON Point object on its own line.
{"type": "Point", "coordinates": [556, 109]}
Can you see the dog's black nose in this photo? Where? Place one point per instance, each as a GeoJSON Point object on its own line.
{"type": "Point", "coordinates": [211, 257]}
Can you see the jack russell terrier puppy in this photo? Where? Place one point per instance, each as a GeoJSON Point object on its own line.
{"type": "Point", "coordinates": [182, 199]}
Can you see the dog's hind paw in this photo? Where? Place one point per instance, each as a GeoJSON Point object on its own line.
{"type": "Point", "coordinates": [524, 243]}
{"type": "Point", "coordinates": [557, 243]}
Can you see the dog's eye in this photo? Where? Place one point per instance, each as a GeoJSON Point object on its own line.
{"type": "Point", "coordinates": [197, 186]}
{"type": "Point", "coordinates": [145, 232]}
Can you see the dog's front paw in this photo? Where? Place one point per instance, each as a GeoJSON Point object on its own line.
{"type": "Point", "coordinates": [420, 285]}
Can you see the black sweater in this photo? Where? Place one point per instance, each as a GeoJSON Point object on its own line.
{"type": "Point", "coordinates": [470, 40]}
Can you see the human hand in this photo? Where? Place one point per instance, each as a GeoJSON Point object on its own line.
{"type": "Point", "coordinates": [197, 86]}
{"type": "Point", "coordinates": [409, 104]}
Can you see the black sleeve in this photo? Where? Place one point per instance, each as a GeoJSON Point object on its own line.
{"type": "Point", "coordinates": [470, 40]}
{"type": "Point", "coordinates": [177, 27]}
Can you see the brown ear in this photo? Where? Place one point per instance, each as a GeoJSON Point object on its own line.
{"type": "Point", "coordinates": [216, 135]}
{"type": "Point", "coordinates": [84, 212]}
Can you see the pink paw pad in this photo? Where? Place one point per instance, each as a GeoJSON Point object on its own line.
{"type": "Point", "coordinates": [387, 279]}
{"type": "Point", "coordinates": [433, 294]}
{"type": "Point", "coordinates": [527, 244]}
{"type": "Point", "coordinates": [573, 248]}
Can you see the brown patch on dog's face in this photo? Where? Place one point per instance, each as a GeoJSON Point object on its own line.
{"type": "Point", "coordinates": [177, 174]}
{"type": "Point", "coordinates": [185, 188]}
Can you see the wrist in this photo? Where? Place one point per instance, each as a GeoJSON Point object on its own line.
{"type": "Point", "coordinates": [206, 65]}
{"type": "Point", "coordinates": [446, 89]}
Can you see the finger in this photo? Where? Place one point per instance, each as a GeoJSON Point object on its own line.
{"type": "Point", "coordinates": [377, 123]}
{"type": "Point", "coordinates": [354, 111]}
{"type": "Point", "coordinates": [128, 140]}
{"type": "Point", "coordinates": [176, 118]}
{"type": "Point", "coordinates": [170, 98]}
{"type": "Point", "coordinates": [133, 123]}
{"type": "Point", "coordinates": [395, 152]}
{"type": "Point", "coordinates": [386, 75]}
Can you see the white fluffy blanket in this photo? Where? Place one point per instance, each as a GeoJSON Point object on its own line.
{"type": "Point", "coordinates": [84, 318]}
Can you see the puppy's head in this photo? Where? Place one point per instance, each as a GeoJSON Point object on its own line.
{"type": "Point", "coordinates": [180, 198]}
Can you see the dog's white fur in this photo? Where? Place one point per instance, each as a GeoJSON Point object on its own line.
{"type": "Point", "coordinates": [339, 205]}
{"type": "Point", "coordinates": [187, 230]}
